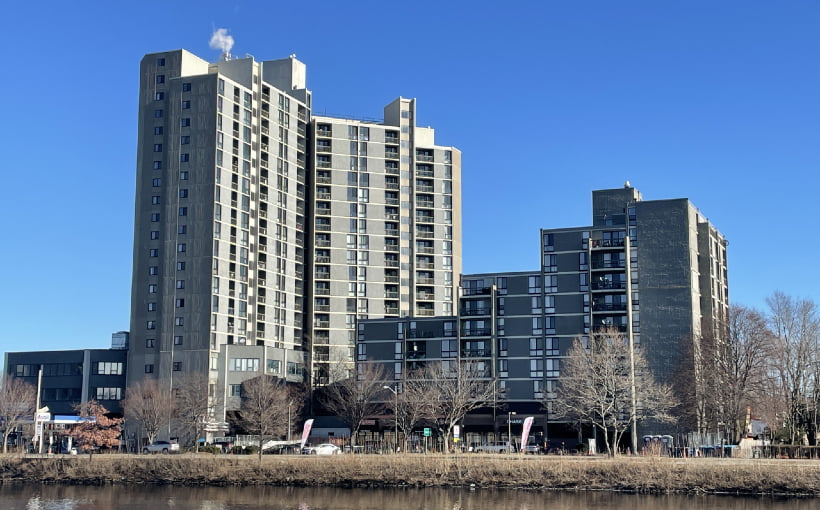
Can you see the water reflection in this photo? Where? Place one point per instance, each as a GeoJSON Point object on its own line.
{"type": "Point", "coordinates": [251, 498]}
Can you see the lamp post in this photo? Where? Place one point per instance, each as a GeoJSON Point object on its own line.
{"type": "Point", "coordinates": [290, 403]}
{"type": "Point", "coordinates": [510, 414]}
{"type": "Point", "coordinates": [395, 411]}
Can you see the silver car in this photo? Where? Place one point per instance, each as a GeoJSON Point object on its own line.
{"type": "Point", "coordinates": [165, 447]}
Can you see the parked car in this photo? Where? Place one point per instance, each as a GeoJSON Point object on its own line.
{"type": "Point", "coordinates": [496, 447]}
{"type": "Point", "coordinates": [323, 449]}
{"type": "Point", "coordinates": [533, 449]}
{"type": "Point", "coordinates": [162, 447]}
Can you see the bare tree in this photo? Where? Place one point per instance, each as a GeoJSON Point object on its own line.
{"type": "Point", "coordinates": [18, 403]}
{"type": "Point", "coordinates": [356, 397]}
{"type": "Point", "coordinates": [739, 367]}
{"type": "Point", "coordinates": [148, 404]}
{"type": "Point", "coordinates": [96, 429]}
{"type": "Point", "coordinates": [264, 408]}
{"type": "Point", "coordinates": [794, 324]}
{"type": "Point", "coordinates": [595, 387]}
{"type": "Point", "coordinates": [411, 405]}
{"type": "Point", "coordinates": [457, 388]}
{"type": "Point", "coordinates": [194, 405]}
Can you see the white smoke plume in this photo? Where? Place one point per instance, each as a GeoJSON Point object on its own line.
{"type": "Point", "coordinates": [220, 40]}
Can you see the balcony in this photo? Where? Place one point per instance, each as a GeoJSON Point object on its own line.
{"type": "Point", "coordinates": [425, 281]}
{"type": "Point", "coordinates": [323, 227]}
{"type": "Point", "coordinates": [322, 308]}
{"type": "Point", "coordinates": [391, 139]}
{"type": "Point", "coordinates": [608, 307]}
{"type": "Point", "coordinates": [608, 264]}
{"type": "Point", "coordinates": [391, 295]}
{"type": "Point", "coordinates": [391, 155]}
{"type": "Point", "coordinates": [603, 328]}
{"type": "Point", "coordinates": [425, 265]}
{"type": "Point", "coordinates": [424, 157]}
{"type": "Point", "coordinates": [323, 243]}
{"type": "Point", "coordinates": [473, 312]}
{"type": "Point", "coordinates": [425, 296]}
{"type": "Point", "coordinates": [391, 263]}
{"type": "Point", "coordinates": [391, 310]}
{"type": "Point", "coordinates": [476, 332]}
{"type": "Point", "coordinates": [389, 201]}
{"type": "Point", "coordinates": [323, 195]}
{"type": "Point", "coordinates": [322, 259]}
{"type": "Point", "coordinates": [429, 204]}
{"type": "Point", "coordinates": [323, 180]}
{"type": "Point", "coordinates": [425, 312]}
{"type": "Point", "coordinates": [424, 173]}
{"type": "Point", "coordinates": [391, 232]}
{"type": "Point", "coordinates": [391, 185]}
{"type": "Point", "coordinates": [391, 171]}
{"type": "Point", "coordinates": [323, 148]}
{"type": "Point", "coordinates": [476, 353]}
{"type": "Point", "coordinates": [392, 217]}
{"type": "Point", "coordinates": [393, 248]}
{"type": "Point", "coordinates": [391, 279]}
{"type": "Point", "coordinates": [607, 243]}
{"type": "Point", "coordinates": [422, 218]}
{"type": "Point", "coordinates": [324, 132]}
{"type": "Point", "coordinates": [425, 234]}
{"type": "Point", "coordinates": [323, 275]}
{"type": "Point", "coordinates": [321, 324]}
{"type": "Point", "coordinates": [323, 210]}
{"type": "Point", "coordinates": [607, 285]}
{"type": "Point", "coordinates": [423, 188]}
{"type": "Point", "coordinates": [426, 249]}
{"type": "Point", "coordinates": [322, 291]}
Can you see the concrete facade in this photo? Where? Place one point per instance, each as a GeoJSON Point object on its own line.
{"type": "Point", "coordinates": [655, 270]}
{"type": "Point", "coordinates": [242, 223]}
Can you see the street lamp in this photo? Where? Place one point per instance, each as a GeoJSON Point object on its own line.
{"type": "Point", "coordinates": [509, 430]}
{"type": "Point", "coordinates": [395, 411]}
{"type": "Point", "coordinates": [290, 403]}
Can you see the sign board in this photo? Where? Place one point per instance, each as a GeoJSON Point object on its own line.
{"type": "Point", "coordinates": [456, 431]}
{"type": "Point", "coordinates": [426, 431]}
{"type": "Point", "coordinates": [43, 417]}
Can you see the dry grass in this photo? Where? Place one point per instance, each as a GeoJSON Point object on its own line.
{"type": "Point", "coordinates": [640, 475]}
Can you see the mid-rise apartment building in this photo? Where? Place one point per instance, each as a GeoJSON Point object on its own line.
{"type": "Point", "coordinates": [654, 270]}
{"type": "Point", "coordinates": [245, 249]}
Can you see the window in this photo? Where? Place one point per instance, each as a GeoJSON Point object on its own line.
{"type": "Point", "coordinates": [157, 130]}
{"type": "Point", "coordinates": [551, 346]}
{"type": "Point", "coordinates": [243, 364]}
{"type": "Point", "coordinates": [185, 157]}
{"type": "Point", "coordinates": [161, 62]}
{"type": "Point", "coordinates": [180, 284]}
{"type": "Point", "coordinates": [159, 96]}
{"type": "Point", "coordinates": [151, 325]}
{"type": "Point", "coordinates": [177, 366]}
{"type": "Point", "coordinates": [549, 241]}
{"type": "Point", "coordinates": [186, 87]}
{"type": "Point", "coordinates": [551, 283]}
{"type": "Point", "coordinates": [180, 303]}
{"type": "Point", "coordinates": [534, 284]}
{"type": "Point", "coordinates": [157, 147]}
{"type": "Point", "coordinates": [155, 200]}
{"type": "Point", "coordinates": [108, 368]}
{"type": "Point", "coordinates": [152, 288]}
{"type": "Point", "coordinates": [236, 390]}
{"type": "Point", "coordinates": [182, 229]}
{"type": "Point", "coordinates": [154, 217]}
{"type": "Point", "coordinates": [550, 263]}
{"type": "Point", "coordinates": [153, 270]}
{"type": "Point", "coordinates": [180, 266]}
{"type": "Point", "coordinates": [160, 78]}
{"type": "Point", "coordinates": [157, 115]}
{"type": "Point", "coordinates": [186, 122]}
{"type": "Point", "coordinates": [553, 367]}
{"type": "Point", "coordinates": [184, 140]}
{"type": "Point", "coordinates": [186, 105]}
{"type": "Point", "coordinates": [537, 368]}
{"type": "Point", "coordinates": [183, 175]}
{"type": "Point", "coordinates": [183, 193]}
{"type": "Point", "coordinates": [181, 247]}
{"type": "Point", "coordinates": [156, 183]}
{"type": "Point", "coordinates": [109, 393]}
{"type": "Point", "coordinates": [153, 252]}
{"type": "Point", "coordinates": [178, 340]}
{"type": "Point", "coordinates": [502, 368]}
{"type": "Point", "coordinates": [183, 211]}
{"type": "Point", "coordinates": [149, 343]}
{"type": "Point", "coordinates": [536, 346]}
{"type": "Point", "coordinates": [149, 369]}
{"type": "Point", "coordinates": [503, 345]}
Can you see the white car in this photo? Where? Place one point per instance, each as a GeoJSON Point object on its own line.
{"type": "Point", "coordinates": [324, 449]}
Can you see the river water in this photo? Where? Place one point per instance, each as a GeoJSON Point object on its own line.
{"type": "Point", "coordinates": [36, 497]}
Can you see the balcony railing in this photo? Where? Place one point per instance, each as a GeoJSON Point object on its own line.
{"type": "Point", "coordinates": [425, 281]}
{"type": "Point", "coordinates": [391, 263]}
{"type": "Point", "coordinates": [421, 188]}
{"type": "Point", "coordinates": [391, 310]}
{"type": "Point", "coordinates": [607, 307]}
{"type": "Point", "coordinates": [475, 353]}
{"type": "Point", "coordinates": [607, 243]}
{"type": "Point", "coordinates": [423, 234]}
{"type": "Point", "coordinates": [425, 296]}
{"type": "Point", "coordinates": [472, 312]}
{"type": "Point", "coordinates": [424, 157]}
{"type": "Point", "coordinates": [424, 173]}
{"type": "Point", "coordinates": [476, 332]}
{"type": "Point", "coordinates": [391, 171]}
{"type": "Point", "coordinates": [608, 264]}
{"type": "Point", "coordinates": [607, 285]}
{"type": "Point", "coordinates": [321, 291]}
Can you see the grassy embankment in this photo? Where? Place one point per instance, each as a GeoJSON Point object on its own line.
{"type": "Point", "coordinates": [639, 475]}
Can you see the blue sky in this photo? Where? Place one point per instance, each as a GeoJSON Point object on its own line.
{"type": "Point", "coordinates": [718, 102]}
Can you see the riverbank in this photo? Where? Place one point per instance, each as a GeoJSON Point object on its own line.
{"type": "Point", "coordinates": [637, 475]}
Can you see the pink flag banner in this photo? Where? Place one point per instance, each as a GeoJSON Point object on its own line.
{"type": "Point", "coordinates": [525, 431]}
{"type": "Point", "coordinates": [306, 431]}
